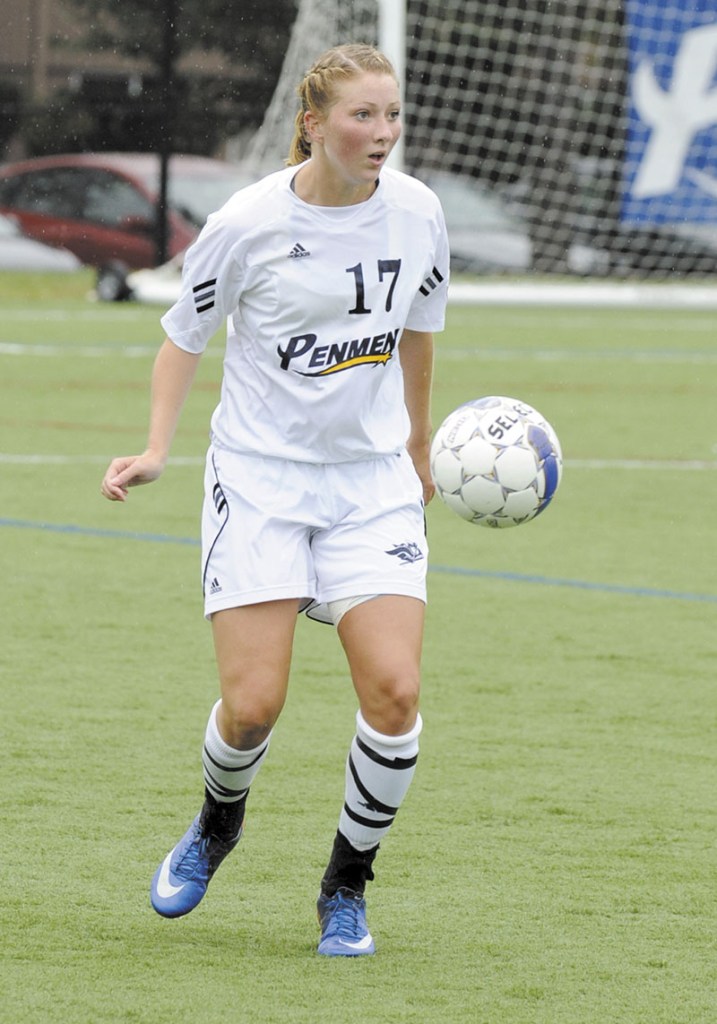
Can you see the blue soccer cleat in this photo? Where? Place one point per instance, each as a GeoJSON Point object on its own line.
{"type": "Point", "coordinates": [343, 925]}
{"type": "Point", "coordinates": [182, 878]}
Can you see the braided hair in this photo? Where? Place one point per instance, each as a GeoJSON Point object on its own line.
{"type": "Point", "coordinates": [316, 89]}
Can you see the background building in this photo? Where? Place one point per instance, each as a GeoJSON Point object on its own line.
{"type": "Point", "coordinates": [80, 74]}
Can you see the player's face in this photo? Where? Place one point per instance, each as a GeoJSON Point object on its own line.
{"type": "Point", "coordinates": [361, 127]}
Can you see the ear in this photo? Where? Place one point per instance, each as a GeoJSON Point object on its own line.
{"type": "Point", "coordinates": [313, 127]}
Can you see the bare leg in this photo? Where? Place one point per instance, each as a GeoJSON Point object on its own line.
{"type": "Point", "coordinates": [383, 639]}
{"type": "Point", "coordinates": [253, 650]}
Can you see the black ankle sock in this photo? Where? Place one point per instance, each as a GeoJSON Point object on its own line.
{"type": "Point", "coordinates": [222, 820]}
{"type": "Point", "coordinates": [348, 868]}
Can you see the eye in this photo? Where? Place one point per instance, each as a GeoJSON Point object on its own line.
{"type": "Point", "coordinates": [362, 115]}
{"type": "Point", "coordinates": [394, 115]}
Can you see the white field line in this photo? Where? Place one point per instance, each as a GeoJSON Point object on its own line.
{"type": "Point", "coordinates": [111, 351]}
{"type": "Point", "coordinates": [569, 323]}
{"type": "Point", "coordinates": [663, 465]}
{"type": "Point", "coordinates": [567, 295]}
{"type": "Point", "coordinates": [574, 355]}
{"type": "Point", "coordinates": [660, 464]}
{"type": "Point", "coordinates": [569, 354]}
{"type": "Point", "coordinates": [31, 459]}
{"type": "Point", "coordinates": [107, 351]}
{"type": "Point", "coordinates": [99, 313]}
{"type": "Point", "coordinates": [589, 294]}
{"type": "Point", "coordinates": [9, 348]}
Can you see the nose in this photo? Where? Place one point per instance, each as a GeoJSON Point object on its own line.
{"type": "Point", "coordinates": [387, 129]}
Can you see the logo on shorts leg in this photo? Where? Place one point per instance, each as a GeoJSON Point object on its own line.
{"type": "Point", "coordinates": [220, 502]}
{"type": "Point", "coordinates": [407, 553]}
{"type": "Point", "coordinates": [215, 586]}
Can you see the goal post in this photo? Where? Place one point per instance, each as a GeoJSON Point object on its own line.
{"type": "Point", "coordinates": [565, 138]}
{"type": "Point", "coordinates": [391, 32]}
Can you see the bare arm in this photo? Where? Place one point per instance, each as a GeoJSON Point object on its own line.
{"type": "Point", "coordinates": [416, 353]}
{"type": "Point", "coordinates": [172, 377]}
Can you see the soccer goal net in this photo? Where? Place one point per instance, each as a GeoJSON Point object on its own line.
{"type": "Point", "coordinates": [563, 136]}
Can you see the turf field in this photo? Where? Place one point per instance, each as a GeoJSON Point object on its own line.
{"type": "Point", "coordinates": [554, 862]}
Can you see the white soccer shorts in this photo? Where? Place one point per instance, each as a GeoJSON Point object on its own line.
{"type": "Point", "coordinates": [274, 529]}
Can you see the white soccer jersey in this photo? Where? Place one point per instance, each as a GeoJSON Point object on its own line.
{"type": "Point", "coordinates": [315, 300]}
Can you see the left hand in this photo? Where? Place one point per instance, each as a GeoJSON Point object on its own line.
{"type": "Point", "coordinates": [420, 454]}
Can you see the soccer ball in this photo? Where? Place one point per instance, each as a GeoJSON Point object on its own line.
{"type": "Point", "coordinates": [496, 462]}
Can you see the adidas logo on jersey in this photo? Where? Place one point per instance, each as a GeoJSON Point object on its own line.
{"type": "Point", "coordinates": [298, 252]}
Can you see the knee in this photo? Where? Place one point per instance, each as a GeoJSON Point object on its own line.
{"type": "Point", "coordinates": [391, 707]}
{"type": "Point", "coordinates": [246, 722]}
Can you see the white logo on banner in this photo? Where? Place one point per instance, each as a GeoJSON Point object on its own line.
{"type": "Point", "coordinates": [677, 114]}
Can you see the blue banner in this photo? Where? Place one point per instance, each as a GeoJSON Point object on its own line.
{"type": "Point", "coordinates": [670, 172]}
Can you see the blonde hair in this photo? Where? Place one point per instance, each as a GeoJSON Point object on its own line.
{"type": "Point", "coordinates": [316, 91]}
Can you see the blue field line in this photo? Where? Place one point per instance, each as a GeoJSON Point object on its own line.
{"type": "Point", "coordinates": [552, 581]}
{"type": "Point", "coordinates": [453, 570]}
{"type": "Point", "coordinates": [92, 531]}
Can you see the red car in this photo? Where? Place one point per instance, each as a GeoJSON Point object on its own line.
{"type": "Point", "coordinates": [102, 206]}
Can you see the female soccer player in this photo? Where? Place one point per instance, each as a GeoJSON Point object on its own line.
{"type": "Point", "coordinates": [331, 275]}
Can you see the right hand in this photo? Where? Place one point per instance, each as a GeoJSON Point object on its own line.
{"type": "Point", "coordinates": [130, 471]}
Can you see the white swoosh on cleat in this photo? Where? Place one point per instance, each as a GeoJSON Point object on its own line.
{"type": "Point", "coordinates": [363, 943]}
{"type": "Point", "coordinates": [165, 889]}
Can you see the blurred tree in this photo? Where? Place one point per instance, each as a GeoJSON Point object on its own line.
{"type": "Point", "coordinates": [211, 69]}
{"type": "Point", "coordinates": [203, 71]}
{"type": "Point", "coordinates": [10, 110]}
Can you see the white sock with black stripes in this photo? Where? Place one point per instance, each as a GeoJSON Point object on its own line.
{"type": "Point", "coordinates": [228, 772]}
{"type": "Point", "coordinates": [379, 770]}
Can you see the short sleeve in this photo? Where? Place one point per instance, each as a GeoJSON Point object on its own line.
{"type": "Point", "coordinates": [211, 286]}
{"type": "Point", "coordinates": [428, 309]}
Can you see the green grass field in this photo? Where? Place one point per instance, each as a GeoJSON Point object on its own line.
{"type": "Point", "coordinates": [554, 862]}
